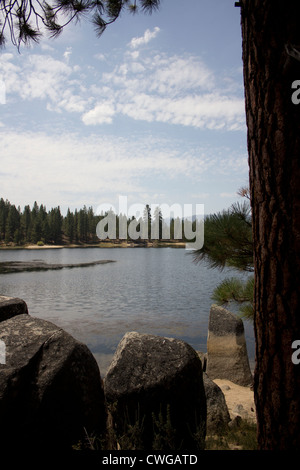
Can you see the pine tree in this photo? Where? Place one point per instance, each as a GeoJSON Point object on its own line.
{"type": "Point", "coordinates": [228, 243]}
{"type": "Point", "coordinates": [12, 223]}
{"type": "Point", "coordinates": [91, 225]}
{"type": "Point", "coordinates": [26, 223]}
{"type": "Point", "coordinates": [55, 225]}
{"type": "Point", "coordinates": [147, 220]}
{"type": "Point", "coordinates": [69, 226]}
{"type": "Point", "coordinates": [82, 226]}
{"type": "Point", "coordinates": [228, 239]}
{"type": "Point", "coordinates": [4, 209]}
{"type": "Point", "coordinates": [157, 225]}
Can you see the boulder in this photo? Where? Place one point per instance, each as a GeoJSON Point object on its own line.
{"type": "Point", "coordinates": [203, 358]}
{"type": "Point", "coordinates": [154, 389]}
{"type": "Point", "coordinates": [218, 416]}
{"type": "Point", "coordinates": [51, 393]}
{"type": "Point", "coordinates": [227, 356]}
{"type": "Point", "coordinates": [11, 306]}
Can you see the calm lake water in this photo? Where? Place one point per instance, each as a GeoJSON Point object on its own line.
{"type": "Point", "coordinates": [149, 290]}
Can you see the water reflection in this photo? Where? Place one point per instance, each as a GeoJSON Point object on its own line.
{"type": "Point", "coordinates": [149, 290]}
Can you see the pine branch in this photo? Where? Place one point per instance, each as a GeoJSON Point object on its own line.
{"type": "Point", "coordinates": [55, 15]}
{"type": "Point", "coordinates": [228, 239]}
{"type": "Point", "coordinates": [236, 291]}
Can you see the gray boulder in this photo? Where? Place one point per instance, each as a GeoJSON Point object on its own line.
{"type": "Point", "coordinates": [154, 389]}
{"type": "Point", "coordinates": [227, 356]}
{"type": "Point", "coordinates": [203, 358]}
{"type": "Point", "coordinates": [218, 416]}
{"type": "Point", "coordinates": [51, 392]}
{"type": "Point", "coordinates": [11, 306]}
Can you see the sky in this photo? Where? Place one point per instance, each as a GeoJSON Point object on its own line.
{"type": "Point", "coordinates": [152, 111]}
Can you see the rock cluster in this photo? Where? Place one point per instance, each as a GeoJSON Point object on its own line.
{"type": "Point", "coordinates": [50, 385]}
{"type": "Point", "coordinates": [159, 392]}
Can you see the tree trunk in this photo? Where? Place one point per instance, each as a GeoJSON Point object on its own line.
{"type": "Point", "coordinates": [269, 29]}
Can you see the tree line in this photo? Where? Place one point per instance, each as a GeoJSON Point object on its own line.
{"type": "Point", "coordinates": [30, 225]}
{"type": "Point", "coordinates": [38, 226]}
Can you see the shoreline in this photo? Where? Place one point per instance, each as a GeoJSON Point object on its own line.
{"type": "Point", "coordinates": [96, 245]}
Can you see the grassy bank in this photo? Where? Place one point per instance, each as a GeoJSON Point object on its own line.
{"type": "Point", "coordinates": [242, 437]}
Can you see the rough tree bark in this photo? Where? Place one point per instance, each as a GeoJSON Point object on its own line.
{"type": "Point", "coordinates": [271, 38]}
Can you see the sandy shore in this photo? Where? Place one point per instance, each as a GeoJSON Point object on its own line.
{"type": "Point", "coordinates": [36, 247]}
{"type": "Point", "coordinates": [239, 400]}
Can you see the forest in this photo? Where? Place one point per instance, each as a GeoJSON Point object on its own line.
{"type": "Point", "coordinates": [36, 225]}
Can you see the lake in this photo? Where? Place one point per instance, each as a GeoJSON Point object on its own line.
{"type": "Point", "coordinates": [149, 290]}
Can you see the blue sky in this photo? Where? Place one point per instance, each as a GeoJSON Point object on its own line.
{"type": "Point", "coordinates": [153, 110]}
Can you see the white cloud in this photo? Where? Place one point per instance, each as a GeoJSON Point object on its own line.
{"type": "Point", "coordinates": [179, 90]}
{"type": "Point", "coordinates": [67, 54]}
{"type": "Point", "coordinates": [200, 196]}
{"type": "Point", "coordinates": [9, 73]}
{"type": "Point", "coordinates": [228, 195]}
{"type": "Point", "coordinates": [175, 74]}
{"type": "Point", "coordinates": [71, 169]}
{"type": "Point", "coordinates": [72, 103]}
{"type": "Point", "coordinates": [176, 90]}
{"type": "Point", "coordinates": [102, 113]}
{"type": "Point", "coordinates": [205, 111]}
{"type": "Point", "coordinates": [100, 57]}
{"type": "Point", "coordinates": [133, 54]}
{"type": "Point", "coordinates": [6, 57]}
{"type": "Point", "coordinates": [148, 36]}
{"type": "Point", "coordinates": [41, 77]}
{"type": "Point", "coordinates": [46, 47]}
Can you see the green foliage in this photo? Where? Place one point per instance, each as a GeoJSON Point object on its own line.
{"type": "Point", "coordinates": [26, 21]}
{"type": "Point", "coordinates": [37, 225]}
{"type": "Point", "coordinates": [29, 226]}
{"type": "Point", "coordinates": [228, 239]}
{"type": "Point", "coordinates": [164, 433]}
{"type": "Point", "coordinates": [130, 437]}
{"type": "Point", "coordinates": [90, 442]}
{"type": "Point", "coordinates": [244, 437]}
{"type": "Point", "coordinates": [228, 243]}
{"type": "Point", "coordinates": [238, 291]}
